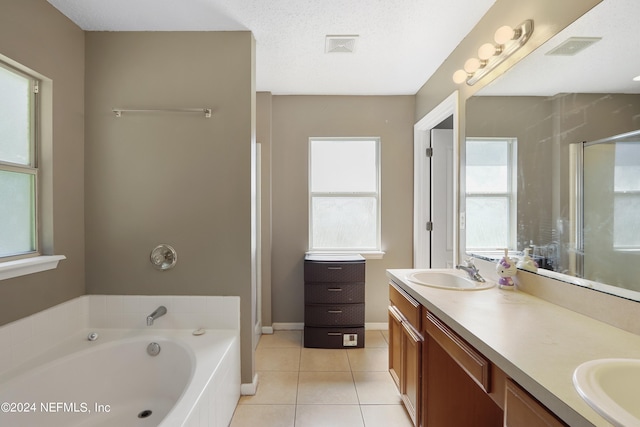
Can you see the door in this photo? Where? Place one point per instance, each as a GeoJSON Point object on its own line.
{"type": "Point", "coordinates": [442, 198]}
{"type": "Point", "coordinates": [447, 252]}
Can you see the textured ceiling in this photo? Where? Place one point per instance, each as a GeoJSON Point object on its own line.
{"type": "Point", "coordinates": [607, 66]}
{"type": "Point", "coordinates": [401, 43]}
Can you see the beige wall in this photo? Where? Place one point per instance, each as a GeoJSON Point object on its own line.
{"type": "Point", "coordinates": [179, 179]}
{"type": "Point", "coordinates": [295, 119]}
{"type": "Point", "coordinates": [37, 36]}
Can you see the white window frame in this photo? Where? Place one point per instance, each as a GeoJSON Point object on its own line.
{"type": "Point", "coordinates": [17, 265]}
{"type": "Point", "coordinates": [511, 195]}
{"type": "Point", "coordinates": [32, 167]}
{"type": "Point", "coordinates": [366, 252]}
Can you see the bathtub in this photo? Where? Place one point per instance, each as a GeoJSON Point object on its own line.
{"type": "Point", "coordinates": [193, 381]}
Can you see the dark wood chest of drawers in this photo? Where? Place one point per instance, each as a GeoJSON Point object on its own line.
{"type": "Point", "coordinates": [334, 301]}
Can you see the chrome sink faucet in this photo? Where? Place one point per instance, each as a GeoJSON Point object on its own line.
{"type": "Point", "coordinates": [471, 270]}
{"type": "Point", "coordinates": [160, 311]}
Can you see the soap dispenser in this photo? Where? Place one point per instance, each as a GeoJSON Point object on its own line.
{"type": "Point", "coordinates": [506, 269]}
{"type": "Point", "coordinates": [527, 263]}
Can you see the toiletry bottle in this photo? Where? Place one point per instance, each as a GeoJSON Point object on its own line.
{"type": "Point", "coordinates": [506, 269]}
{"type": "Point", "coordinates": [527, 263]}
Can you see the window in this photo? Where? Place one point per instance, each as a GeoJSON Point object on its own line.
{"type": "Point", "coordinates": [626, 187]}
{"type": "Point", "coordinates": [18, 163]}
{"type": "Point", "coordinates": [491, 194]}
{"type": "Point", "coordinates": [344, 194]}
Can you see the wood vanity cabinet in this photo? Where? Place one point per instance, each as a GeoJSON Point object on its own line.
{"type": "Point", "coordinates": [446, 382]}
{"type": "Point", "coordinates": [457, 381]}
{"type": "Point", "coordinates": [405, 349]}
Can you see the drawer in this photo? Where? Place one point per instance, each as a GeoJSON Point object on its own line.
{"type": "Point", "coordinates": [472, 362]}
{"type": "Point", "coordinates": [405, 304]}
{"type": "Point", "coordinates": [334, 272]}
{"type": "Point", "coordinates": [334, 293]}
{"type": "Point", "coordinates": [523, 410]}
{"type": "Point", "coordinates": [333, 337]}
{"type": "Point", "coordinates": [334, 315]}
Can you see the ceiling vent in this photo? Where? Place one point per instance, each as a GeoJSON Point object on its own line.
{"type": "Point", "coordinates": [573, 45]}
{"type": "Point", "coordinates": [340, 44]}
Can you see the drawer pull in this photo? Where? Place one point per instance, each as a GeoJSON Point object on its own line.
{"type": "Point", "coordinates": [334, 289]}
{"type": "Point", "coordinates": [334, 311]}
{"type": "Point", "coordinates": [334, 334]}
{"type": "Point", "coordinates": [334, 268]}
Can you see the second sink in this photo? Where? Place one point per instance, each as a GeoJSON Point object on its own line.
{"type": "Point", "coordinates": [611, 388]}
{"type": "Point", "coordinates": [446, 279]}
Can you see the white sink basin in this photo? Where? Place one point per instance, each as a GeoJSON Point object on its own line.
{"type": "Point", "coordinates": [612, 388]}
{"type": "Point", "coordinates": [446, 279]}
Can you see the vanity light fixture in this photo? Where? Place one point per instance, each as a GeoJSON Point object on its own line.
{"type": "Point", "coordinates": [636, 79]}
{"type": "Point", "coordinates": [507, 41]}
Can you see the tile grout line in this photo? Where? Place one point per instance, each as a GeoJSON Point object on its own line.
{"type": "Point", "coordinates": [295, 407]}
{"type": "Point", "coordinates": [353, 378]}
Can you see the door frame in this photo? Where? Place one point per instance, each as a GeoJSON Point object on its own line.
{"type": "Point", "coordinates": [422, 179]}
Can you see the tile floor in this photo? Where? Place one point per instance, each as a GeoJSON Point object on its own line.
{"type": "Point", "coordinates": [305, 387]}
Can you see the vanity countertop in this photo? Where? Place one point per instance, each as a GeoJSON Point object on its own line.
{"type": "Point", "coordinates": [535, 342]}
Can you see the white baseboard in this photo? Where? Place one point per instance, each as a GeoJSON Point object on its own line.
{"type": "Point", "coordinates": [268, 330]}
{"type": "Point", "coordinates": [249, 389]}
{"type": "Point", "coordinates": [374, 326]}
{"type": "Point", "coordinates": [288, 326]}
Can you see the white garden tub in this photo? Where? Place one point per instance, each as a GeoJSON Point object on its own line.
{"type": "Point", "coordinates": [113, 381]}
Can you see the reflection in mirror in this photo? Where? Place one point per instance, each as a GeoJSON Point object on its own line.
{"type": "Point", "coordinates": [608, 243]}
{"type": "Point", "coordinates": [545, 105]}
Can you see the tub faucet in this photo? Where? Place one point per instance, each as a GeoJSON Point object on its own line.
{"type": "Point", "coordinates": [160, 311]}
{"type": "Point", "coordinates": [471, 270]}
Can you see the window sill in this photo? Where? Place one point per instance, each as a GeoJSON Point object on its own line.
{"type": "Point", "coordinates": [365, 255]}
{"type": "Point", "coordinates": [373, 254]}
{"type": "Point", "coordinates": [26, 266]}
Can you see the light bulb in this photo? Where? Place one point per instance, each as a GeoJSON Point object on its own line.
{"type": "Point", "coordinates": [472, 65]}
{"type": "Point", "coordinates": [460, 76]}
{"type": "Point", "coordinates": [486, 51]}
{"type": "Point", "coordinates": [503, 34]}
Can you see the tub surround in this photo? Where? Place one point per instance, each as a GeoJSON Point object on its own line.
{"type": "Point", "coordinates": [31, 336]}
{"type": "Point", "coordinates": [535, 342]}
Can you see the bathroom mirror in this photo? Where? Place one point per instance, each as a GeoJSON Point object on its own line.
{"type": "Point", "coordinates": [578, 87]}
